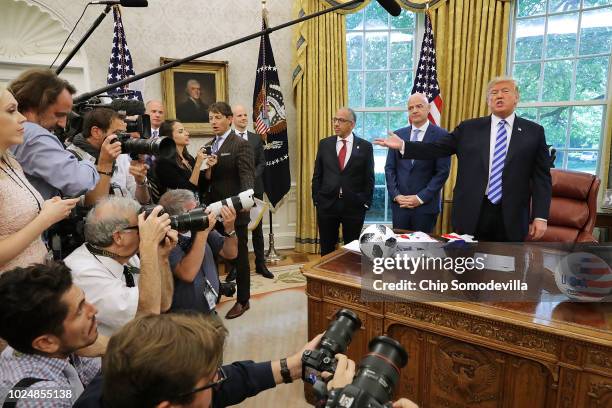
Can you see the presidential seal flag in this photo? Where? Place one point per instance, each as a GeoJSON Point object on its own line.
{"type": "Point", "coordinates": [121, 66]}
{"type": "Point", "coordinates": [270, 121]}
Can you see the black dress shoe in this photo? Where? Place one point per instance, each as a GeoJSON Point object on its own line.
{"type": "Point", "coordinates": [231, 276]}
{"type": "Point", "coordinates": [237, 310]}
{"type": "Point", "coordinates": [262, 269]}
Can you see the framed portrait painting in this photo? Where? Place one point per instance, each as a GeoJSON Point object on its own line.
{"type": "Point", "coordinates": [190, 88]}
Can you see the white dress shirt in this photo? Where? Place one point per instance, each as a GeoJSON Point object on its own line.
{"type": "Point", "coordinates": [422, 130]}
{"type": "Point", "coordinates": [122, 182]}
{"type": "Point", "coordinates": [244, 134]}
{"type": "Point", "coordinates": [221, 139]}
{"type": "Point", "coordinates": [103, 282]}
{"type": "Point", "coordinates": [349, 147]}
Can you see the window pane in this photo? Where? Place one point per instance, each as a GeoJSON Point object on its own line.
{"type": "Point", "coordinates": [380, 157]}
{"type": "Point", "coordinates": [401, 50]}
{"type": "Point", "coordinates": [404, 20]}
{"type": "Point", "coordinates": [591, 78]}
{"type": "Point", "coordinates": [586, 127]}
{"type": "Point", "coordinates": [376, 18]}
{"type": "Point", "coordinates": [593, 3]}
{"type": "Point", "coordinates": [556, 6]}
{"type": "Point", "coordinates": [596, 31]}
{"type": "Point", "coordinates": [400, 87]}
{"type": "Point", "coordinates": [397, 120]}
{"type": "Point", "coordinates": [528, 78]}
{"type": "Point", "coordinates": [359, 125]}
{"type": "Point", "coordinates": [531, 7]}
{"type": "Point", "coordinates": [376, 213]}
{"type": "Point", "coordinates": [376, 50]}
{"type": "Point", "coordinates": [559, 156]}
{"type": "Point", "coordinates": [557, 81]}
{"type": "Point", "coordinates": [354, 21]}
{"type": "Point", "coordinates": [585, 161]}
{"type": "Point", "coordinates": [354, 50]}
{"type": "Point", "coordinates": [529, 39]}
{"type": "Point", "coordinates": [376, 89]}
{"type": "Point", "coordinates": [375, 125]}
{"type": "Point", "coordinates": [555, 121]}
{"type": "Point", "coordinates": [562, 31]}
{"type": "Point", "coordinates": [528, 113]}
{"type": "Point", "coordinates": [355, 89]}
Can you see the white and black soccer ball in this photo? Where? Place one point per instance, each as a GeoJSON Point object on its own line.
{"type": "Point", "coordinates": [377, 241]}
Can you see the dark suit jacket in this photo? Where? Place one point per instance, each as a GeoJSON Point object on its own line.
{"type": "Point", "coordinates": [424, 178]}
{"type": "Point", "coordinates": [260, 162]}
{"type": "Point", "coordinates": [356, 180]}
{"type": "Point", "coordinates": [189, 112]}
{"type": "Point", "coordinates": [233, 173]}
{"type": "Point", "coordinates": [526, 173]}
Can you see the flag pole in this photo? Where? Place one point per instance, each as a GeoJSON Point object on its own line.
{"type": "Point", "coordinates": [271, 255]}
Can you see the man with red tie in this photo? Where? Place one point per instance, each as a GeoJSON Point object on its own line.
{"type": "Point", "coordinates": [342, 182]}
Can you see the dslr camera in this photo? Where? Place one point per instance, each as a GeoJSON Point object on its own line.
{"type": "Point", "coordinates": [163, 147]}
{"type": "Point", "coordinates": [336, 339]}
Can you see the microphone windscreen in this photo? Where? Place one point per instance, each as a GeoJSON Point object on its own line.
{"type": "Point", "coordinates": [391, 6]}
{"type": "Point", "coordinates": [134, 3]}
{"type": "Point", "coordinates": [130, 106]}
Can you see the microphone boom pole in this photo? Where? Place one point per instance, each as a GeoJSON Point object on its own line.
{"type": "Point", "coordinates": [172, 64]}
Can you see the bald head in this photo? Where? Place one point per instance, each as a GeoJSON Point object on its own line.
{"type": "Point", "coordinates": [418, 109]}
{"type": "Point", "coordinates": [241, 118]}
{"type": "Point", "coordinates": [155, 109]}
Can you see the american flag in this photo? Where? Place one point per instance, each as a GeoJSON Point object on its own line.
{"type": "Point", "coordinates": [426, 79]}
{"type": "Point", "coordinates": [120, 65]}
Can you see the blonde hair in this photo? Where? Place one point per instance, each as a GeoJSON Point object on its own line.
{"type": "Point", "coordinates": [499, 79]}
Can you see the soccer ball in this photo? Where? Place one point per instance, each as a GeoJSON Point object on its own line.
{"type": "Point", "coordinates": [377, 241]}
{"type": "Point", "coordinates": [584, 277]}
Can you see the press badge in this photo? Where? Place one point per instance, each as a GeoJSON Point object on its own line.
{"type": "Point", "coordinates": [210, 295]}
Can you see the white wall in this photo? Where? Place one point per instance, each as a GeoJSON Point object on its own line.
{"type": "Point", "coordinates": [178, 28]}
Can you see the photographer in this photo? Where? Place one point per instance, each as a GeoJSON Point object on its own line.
{"type": "Point", "coordinates": [196, 281]}
{"type": "Point", "coordinates": [176, 360]}
{"type": "Point", "coordinates": [116, 280]}
{"type": "Point", "coordinates": [98, 144]}
{"type": "Point", "coordinates": [46, 101]}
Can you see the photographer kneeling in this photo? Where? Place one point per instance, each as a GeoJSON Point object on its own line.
{"type": "Point", "coordinates": [196, 283]}
{"type": "Point", "coordinates": [115, 280]}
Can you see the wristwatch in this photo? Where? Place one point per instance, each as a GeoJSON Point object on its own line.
{"type": "Point", "coordinates": [230, 234]}
{"type": "Point", "coordinates": [106, 173]}
{"type": "Point", "coordinates": [285, 373]}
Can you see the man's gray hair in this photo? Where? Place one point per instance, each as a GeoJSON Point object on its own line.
{"type": "Point", "coordinates": [174, 201]}
{"type": "Point", "coordinates": [99, 228]}
{"type": "Point", "coordinates": [499, 79]}
{"type": "Point", "coordinates": [352, 113]}
{"type": "Point", "coordinates": [192, 82]}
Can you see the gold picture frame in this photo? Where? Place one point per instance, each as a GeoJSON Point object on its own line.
{"type": "Point", "coordinates": [179, 86]}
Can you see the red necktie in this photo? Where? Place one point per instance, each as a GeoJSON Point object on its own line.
{"type": "Point", "coordinates": [342, 155]}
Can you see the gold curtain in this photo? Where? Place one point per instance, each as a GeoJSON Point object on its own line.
{"type": "Point", "coordinates": [320, 87]}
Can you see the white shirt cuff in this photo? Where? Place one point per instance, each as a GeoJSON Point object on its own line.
{"type": "Point", "coordinates": [403, 146]}
{"type": "Point", "coordinates": [419, 198]}
{"type": "Point", "coordinates": [541, 219]}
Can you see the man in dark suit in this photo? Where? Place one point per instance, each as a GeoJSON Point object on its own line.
{"type": "Point", "coordinates": [503, 169]}
{"type": "Point", "coordinates": [414, 185]}
{"type": "Point", "coordinates": [193, 110]}
{"type": "Point", "coordinates": [241, 121]}
{"type": "Point", "coordinates": [342, 182]}
{"type": "Point", "coordinates": [231, 172]}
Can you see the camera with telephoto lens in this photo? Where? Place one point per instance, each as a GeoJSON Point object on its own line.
{"type": "Point", "coordinates": [374, 383]}
{"type": "Point", "coordinates": [197, 219]}
{"type": "Point", "coordinates": [163, 147]}
{"type": "Point", "coordinates": [336, 339]}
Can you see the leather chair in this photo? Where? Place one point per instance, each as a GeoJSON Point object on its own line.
{"type": "Point", "coordinates": [573, 207]}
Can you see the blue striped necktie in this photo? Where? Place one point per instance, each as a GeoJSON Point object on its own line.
{"type": "Point", "coordinates": [215, 146]}
{"type": "Point", "coordinates": [497, 165]}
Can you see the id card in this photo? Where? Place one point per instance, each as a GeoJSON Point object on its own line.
{"type": "Point", "coordinates": [210, 295]}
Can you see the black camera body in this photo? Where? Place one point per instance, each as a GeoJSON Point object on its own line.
{"type": "Point", "coordinates": [163, 147]}
{"type": "Point", "coordinates": [335, 340]}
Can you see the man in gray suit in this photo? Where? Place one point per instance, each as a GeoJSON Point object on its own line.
{"type": "Point", "coordinates": [241, 121]}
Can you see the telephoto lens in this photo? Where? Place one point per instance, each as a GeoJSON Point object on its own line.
{"type": "Point", "coordinates": [163, 147]}
{"type": "Point", "coordinates": [194, 220]}
{"type": "Point", "coordinates": [336, 339]}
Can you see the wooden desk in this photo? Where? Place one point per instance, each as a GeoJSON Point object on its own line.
{"type": "Point", "coordinates": [466, 354]}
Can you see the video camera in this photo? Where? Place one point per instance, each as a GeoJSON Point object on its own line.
{"type": "Point", "coordinates": [197, 219]}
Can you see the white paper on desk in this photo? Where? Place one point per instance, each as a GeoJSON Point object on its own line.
{"type": "Point", "coordinates": [353, 246]}
{"type": "Point", "coordinates": [414, 237]}
{"type": "Point", "coordinates": [497, 262]}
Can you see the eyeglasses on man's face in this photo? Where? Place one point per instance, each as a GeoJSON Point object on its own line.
{"type": "Point", "coordinates": [341, 120]}
{"type": "Point", "coordinates": [219, 379]}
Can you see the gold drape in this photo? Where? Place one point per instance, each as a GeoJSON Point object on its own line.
{"type": "Point", "coordinates": [320, 87]}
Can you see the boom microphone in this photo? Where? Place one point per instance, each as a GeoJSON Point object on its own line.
{"type": "Point", "coordinates": [124, 3]}
{"type": "Point", "coordinates": [391, 6]}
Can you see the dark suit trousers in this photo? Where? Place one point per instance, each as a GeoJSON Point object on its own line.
{"type": "Point", "coordinates": [410, 220]}
{"type": "Point", "coordinates": [258, 240]}
{"type": "Point", "coordinates": [329, 221]}
{"type": "Point", "coordinates": [490, 226]}
{"type": "Point", "coordinates": [243, 272]}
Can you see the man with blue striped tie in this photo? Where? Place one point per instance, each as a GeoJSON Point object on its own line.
{"type": "Point", "coordinates": [503, 188]}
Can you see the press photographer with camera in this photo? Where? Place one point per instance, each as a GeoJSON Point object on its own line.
{"type": "Point", "coordinates": [118, 282]}
{"type": "Point", "coordinates": [196, 281]}
{"type": "Point", "coordinates": [98, 143]}
{"type": "Point", "coordinates": [176, 360]}
{"type": "Point", "coordinates": [46, 101]}
{"type": "Point", "coordinates": [24, 216]}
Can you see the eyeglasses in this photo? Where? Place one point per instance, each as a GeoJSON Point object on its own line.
{"type": "Point", "coordinates": [341, 120]}
{"type": "Point", "coordinates": [132, 227]}
{"type": "Point", "coordinates": [221, 378]}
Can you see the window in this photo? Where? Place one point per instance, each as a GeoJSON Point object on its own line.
{"type": "Point", "coordinates": [380, 57]}
{"type": "Point", "coordinates": [560, 58]}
